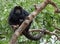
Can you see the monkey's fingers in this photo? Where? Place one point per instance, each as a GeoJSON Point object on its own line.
{"type": "Point", "coordinates": [15, 26]}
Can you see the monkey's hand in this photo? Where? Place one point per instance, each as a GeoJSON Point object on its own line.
{"type": "Point", "coordinates": [15, 27]}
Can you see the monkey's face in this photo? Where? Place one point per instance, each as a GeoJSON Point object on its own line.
{"type": "Point", "coordinates": [17, 11]}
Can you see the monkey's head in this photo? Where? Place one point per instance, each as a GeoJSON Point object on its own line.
{"type": "Point", "coordinates": [17, 10]}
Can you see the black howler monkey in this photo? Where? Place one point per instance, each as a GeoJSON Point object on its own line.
{"type": "Point", "coordinates": [16, 17]}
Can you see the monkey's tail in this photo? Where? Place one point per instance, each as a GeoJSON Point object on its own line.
{"type": "Point", "coordinates": [35, 37]}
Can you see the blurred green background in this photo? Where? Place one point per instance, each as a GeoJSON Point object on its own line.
{"type": "Point", "coordinates": [47, 18]}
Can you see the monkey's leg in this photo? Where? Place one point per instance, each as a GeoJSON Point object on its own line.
{"type": "Point", "coordinates": [35, 37]}
{"type": "Point", "coordinates": [30, 36]}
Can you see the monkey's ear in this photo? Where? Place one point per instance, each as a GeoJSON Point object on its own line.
{"type": "Point", "coordinates": [18, 7]}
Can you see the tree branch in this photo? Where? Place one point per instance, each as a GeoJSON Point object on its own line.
{"type": "Point", "coordinates": [19, 31]}
{"type": "Point", "coordinates": [46, 32]}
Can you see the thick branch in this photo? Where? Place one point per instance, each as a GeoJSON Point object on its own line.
{"type": "Point", "coordinates": [26, 22]}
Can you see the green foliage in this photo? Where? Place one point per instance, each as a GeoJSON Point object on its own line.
{"type": "Point", "coordinates": [46, 18]}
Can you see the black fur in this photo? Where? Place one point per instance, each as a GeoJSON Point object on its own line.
{"type": "Point", "coordinates": [14, 19]}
